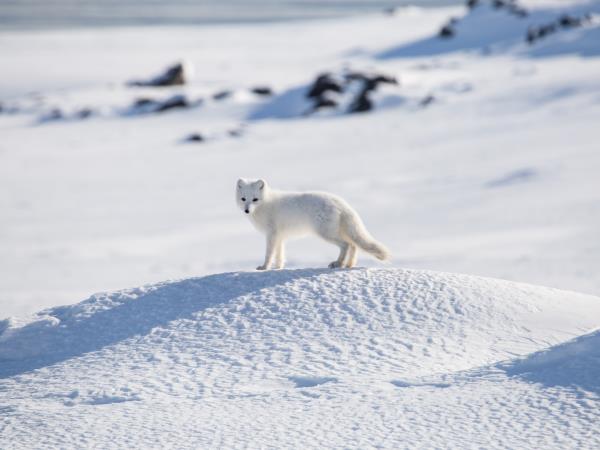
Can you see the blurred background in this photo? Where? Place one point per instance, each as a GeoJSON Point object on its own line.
{"type": "Point", "coordinates": [465, 134]}
{"type": "Point", "coordinates": [67, 13]}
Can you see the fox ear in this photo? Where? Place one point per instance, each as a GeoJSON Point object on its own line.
{"type": "Point", "coordinates": [241, 182]}
{"type": "Point", "coordinates": [261, 184]}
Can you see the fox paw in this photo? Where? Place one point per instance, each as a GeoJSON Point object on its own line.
{"type": "Point", "coordinates": [335, 265]}
{"type": "Point", "coordinates": [262, 267]}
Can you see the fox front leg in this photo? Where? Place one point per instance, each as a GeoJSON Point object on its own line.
{"type": "Point", "coordinates": [272, 244]}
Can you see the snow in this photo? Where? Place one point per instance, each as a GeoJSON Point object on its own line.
{"type": "Point", "coordinates": [483, 160]}
{"type": "Point", "coordinates": [457, 185]}
{"type": "Point", "coordinates": [307, 358]}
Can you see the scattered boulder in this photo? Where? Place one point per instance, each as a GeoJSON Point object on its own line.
{"type": "Point", "coordinates": [84, 113]}
{"type": "Point", "coordinates": [472, 3]}
{"type": "Point", "coordinates": [565, 21]}
{"type": "Point", "coordinates": [370, 82]}
{"type": "Point", "coordinates": [447, 31]}
{"type": "Point", "coordinates": [426, 101]}
{"type": "Point", "coordinates": [324, 102]}
{"type": "Point", "coordinates": [320, 92]}
{"type": "Point", "coordinates": [172, 76]}
{"type": "Point", "coordinates": [324, 83]}
{"type": "Point", "coordinates": [56, 114]}
{"type": "Point", "coordinates": [222, 95]}
{"type": "Point", "coordinates": [511, 6]}
{"type": "Point", "coordinates": [147, 105]}
{"type": "Point", "coordinates": [177, 101]}
{"type": "Point", "coordinates": [236, 132]}
{"type": "Point", "coordinates": [361, 103]}
{"type": "Point", "coordinates": [531, 35]}
{"type": "Point", "coordinates": [52, 115]}
{"type": "Point", "coordinates": [329, 91]}
{"type": "Point", "coordinates": [142, 102]}
{"type": "Point", "coordinates": [194, 137]}
{"type": "Point", "coordinates": [262, 90]}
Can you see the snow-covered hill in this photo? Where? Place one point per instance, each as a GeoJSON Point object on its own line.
{"type": "Point", "coordinates": [361, 358]}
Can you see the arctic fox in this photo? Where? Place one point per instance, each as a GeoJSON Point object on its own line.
{"type": "Point", "coordinates": [281, 215]}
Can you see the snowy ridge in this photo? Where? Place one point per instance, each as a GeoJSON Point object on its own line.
{"type": "Point", "coordinates": [243, 351]}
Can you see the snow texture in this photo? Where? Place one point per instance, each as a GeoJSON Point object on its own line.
{"type": "Point", "coordinates": [307, 359]}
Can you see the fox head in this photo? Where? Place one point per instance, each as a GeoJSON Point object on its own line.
{"type": "Point", "coordinates": [249, 194]}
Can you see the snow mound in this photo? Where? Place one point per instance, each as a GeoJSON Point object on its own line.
{"type": "Point", "coordinates": [346, 315]}
{"type": "Point", "coordinates": [225, 360]}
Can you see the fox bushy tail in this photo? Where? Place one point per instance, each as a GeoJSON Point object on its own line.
{"type": "Point", "coordinates": [355, 230]}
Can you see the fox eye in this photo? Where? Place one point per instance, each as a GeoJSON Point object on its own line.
{"type": "Point", "coordinates": [254, 199]}
{"type": "Point", "coordinates": [243, 199]}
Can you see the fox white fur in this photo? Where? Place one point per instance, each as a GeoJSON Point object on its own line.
{"type": "Point", "coordinates": [281, 215]}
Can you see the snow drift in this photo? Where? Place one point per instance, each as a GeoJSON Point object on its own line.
{"type": "Point", "coordinates": [243, 351]}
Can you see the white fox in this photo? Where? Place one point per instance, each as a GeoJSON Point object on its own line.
{"type": "Point", "coordinates": [281, 215]}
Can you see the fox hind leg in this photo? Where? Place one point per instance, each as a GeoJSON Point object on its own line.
{"type": "Point", "coordinates": [352, 256]}
{"type": "Point", "coordinates": [344, 247]}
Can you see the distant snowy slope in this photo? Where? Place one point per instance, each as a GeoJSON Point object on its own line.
{"type": "Point", "coordinates": [485, 29]}
{"type": "Point", "coordinates": [301, 358]}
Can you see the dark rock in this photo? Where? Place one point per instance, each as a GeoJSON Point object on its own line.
{"type": "Point", "coordinates": [518, 11]}
{"type": "Point", "coordinates": [371, 81]}
{"type": "Point", "coordinates": [323, 102]}
{"type": "Point", "coordinates": [195, 137]}
{"type": "Point", "coordinates": [52, 115]}
{"type": "Point", "coordinates": [361, 103]}
{"type": "Point", "coordinates": [148, 105]}
{"type": "Point", "coordinates": [262, 90]}
{"type": "Point", "coordinates": [472, 3]}
{"type": "Point", "coordinates": [426, 101]}
{"type": "Point", "coordinates": [173, 76]}
{"type": "Point", "coordinates": [499, 4]}
{"type": "Point", "coordinates": [84, 113]}
{"type": "Point", "coordinates": [235, 133]}
{"type": "Point", "coordinates": [221, 95]}
{"type": "Point", "coordinates": [531, 35]}
{"type": "Point", "coordinates": [545, 30]}
{"type": "Point", "coordinates": [564, 21]}
{"type": "Point", "coordinates": [326, 87]}
{"type": "Point", "coordinates": [324, 83]}
{"type": "Point", "coordinates": [567, 21]}
{"type": "Point", "coordinates": [447, 32]}
{"type": "Point", "coordinates": [141, 102]}
{"type": "Point", "coordinates": [177, 101]}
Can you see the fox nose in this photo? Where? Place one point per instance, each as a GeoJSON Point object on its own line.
{"type": "Point", "coordinates": [246, 211]}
